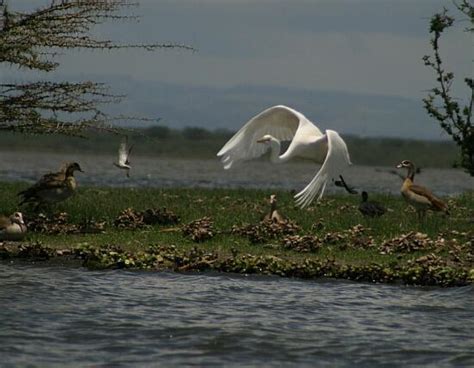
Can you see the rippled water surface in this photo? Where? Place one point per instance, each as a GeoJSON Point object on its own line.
{"type": "Point", "coordinates": [58, 316]}
{"type": "Point", "coordinates": [156, 172]}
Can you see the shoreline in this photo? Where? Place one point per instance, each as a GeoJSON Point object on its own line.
{"type": "Point", "coordinates": [170, 258]}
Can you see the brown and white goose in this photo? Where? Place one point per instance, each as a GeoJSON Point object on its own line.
{"type": "Point", "coordinates": [273, 215]}
{"type": "Point", "coordinates": [52, 187]}
{"type": "Point", "coordinates": [13, 227]}
{"type": "Point", "coordinates": [419, 197]}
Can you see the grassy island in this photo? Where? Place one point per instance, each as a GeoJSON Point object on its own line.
{"type": "Point", "coordinates": [221, 230]}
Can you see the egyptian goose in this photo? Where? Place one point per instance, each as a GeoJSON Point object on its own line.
{"type": "Point", "coordinates": [370, 208]}
{"type": "Point", "coordinates": [419, 197]}
{"type": "Point", "coordinates": [13, 227]}
{"type": "Point", "coordinates": [52, 187]}
{"type": "Point", "coordinates": [273, 215]}
{"type": "Point", "coordinates": [124, 156]}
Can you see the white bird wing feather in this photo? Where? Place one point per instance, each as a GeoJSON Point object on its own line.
{"type": "Point", "coordinates": [280, 121]}
{"type": "Point", "coordinates": [122, 153]}
{"type": "Point", "coordinates": [337, 159]}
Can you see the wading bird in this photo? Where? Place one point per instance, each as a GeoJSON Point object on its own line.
{"type": "Point", "coordinates": [123, 156]}
{"type": "Point", "coordinates": [281, 123]}
{"type": "Point", "coordinates": [370, 208]}
{"type": "Point", "coordinates": [419, 197]}
{"type": "Point", "coordinates": [52, 187]}
{"type": "Point", "coordinates": [13, 227]}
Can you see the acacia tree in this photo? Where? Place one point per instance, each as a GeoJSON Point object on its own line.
{"type": "Point", "coordinates": [32, 40]}
{"type": "Point", "coordinates": [455, 119]}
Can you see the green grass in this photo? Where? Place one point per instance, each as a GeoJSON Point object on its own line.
{"type": "Point", "coordinates": [238, 207]}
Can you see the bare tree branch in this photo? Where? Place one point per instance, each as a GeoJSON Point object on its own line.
{"type": "Point", "coordinates": [24, 37]}
{"type": "Point", "coordinates": [30, 40]}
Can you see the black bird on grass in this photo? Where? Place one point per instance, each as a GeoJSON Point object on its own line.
{"type": "Point", "coordinates": [371, 208]}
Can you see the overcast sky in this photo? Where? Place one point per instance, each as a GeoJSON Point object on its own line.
{"type": "Point", "coordinates": [363, 46]}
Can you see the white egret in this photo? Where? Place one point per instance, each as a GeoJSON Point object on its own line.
{"type": "Point", "coordinates": [281, 123]}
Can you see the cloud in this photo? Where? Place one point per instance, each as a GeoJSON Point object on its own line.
{"type": "Point", "coordinates": [355, 62]}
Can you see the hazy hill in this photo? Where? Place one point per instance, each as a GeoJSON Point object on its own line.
{"type": "Point", "coordinates": [180, 106]}
{"type": "Point", "coordinates": [358, 114]}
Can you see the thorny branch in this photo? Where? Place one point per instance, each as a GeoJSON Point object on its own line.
{"type": "Point", "coordinates": [65, 25]}
{"type": "Point", "coordinates": [44, 107]}
{"type": "Point", "coordinates": [30, 40]}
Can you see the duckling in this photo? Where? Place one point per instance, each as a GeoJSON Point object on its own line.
{"type": "Point", "coordinates": [124, 156]}
{"type": "Point", "coordinates": [273, 215]}
{"type": "Point", "coordinates": [371, 208]}
{"type": "Point", "coordinates": [419, 197]}
{"type": "Point", "coordinates": [13, 227]}
{"type": "Point", "coordinates": [52, 187]}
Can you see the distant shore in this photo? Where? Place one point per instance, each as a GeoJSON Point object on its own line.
{"type": "Point", "coordinates": [198, 143]}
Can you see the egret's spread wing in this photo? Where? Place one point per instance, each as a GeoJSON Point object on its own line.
{"type": "Point", "coordinates": [337, 159]}
{"type": "Point", "coordinates": [279, 121]}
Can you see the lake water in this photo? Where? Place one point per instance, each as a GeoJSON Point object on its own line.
{"type": "Point", "coordinates": [69, 317]}
{"type": "Point", "coordinates": [156, 172]}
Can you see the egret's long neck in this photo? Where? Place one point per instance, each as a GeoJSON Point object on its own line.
{"type": "Point", "coordinates": [275, 148]}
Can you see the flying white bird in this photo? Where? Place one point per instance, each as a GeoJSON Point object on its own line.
{"type": "Point", "coordinates": [281, 123]}
{"type": "Point", "coordinates": [123, 156]}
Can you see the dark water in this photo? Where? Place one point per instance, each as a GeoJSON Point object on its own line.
{"type": "Point", "coordinates": [155, 172]}
{"type": "Point", "coordinates": [57, 316]}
